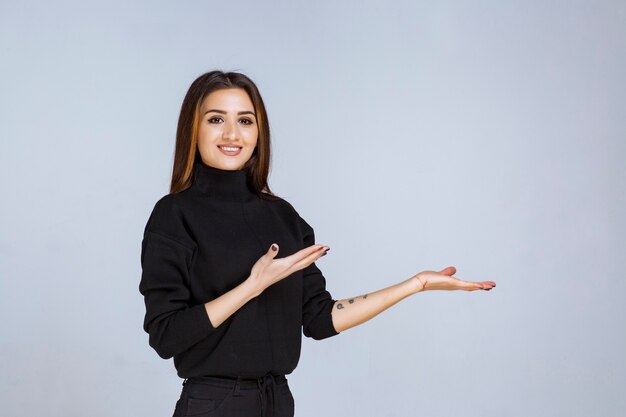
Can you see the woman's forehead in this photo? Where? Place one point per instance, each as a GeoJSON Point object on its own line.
{"type": "Point", "coordinates": [228, 98]}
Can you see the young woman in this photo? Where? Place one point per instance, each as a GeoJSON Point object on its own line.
{"type": "Point", "coordinates": [228, 268]}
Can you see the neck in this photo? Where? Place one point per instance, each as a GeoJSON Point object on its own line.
{"type": "Point", "coordinates": [222, 184]}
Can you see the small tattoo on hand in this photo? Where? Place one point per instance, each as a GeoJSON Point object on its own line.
{"type": "Point", "coordinates": [339, 306]}
{"type": "Point", "coordinates": [365, 296]}
{"type": "Point", "coordinates": [351, 300]}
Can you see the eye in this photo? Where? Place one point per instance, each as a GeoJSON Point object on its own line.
{"type": "Point", "coordinates": [246, 121]}
{"type": "Point", "coordinates": [214, 120]}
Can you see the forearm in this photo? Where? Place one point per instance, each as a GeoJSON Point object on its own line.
{"type": "Point", "coordinates": [351, 312]}
{"type": "Point", "coordinates": [228, 303]}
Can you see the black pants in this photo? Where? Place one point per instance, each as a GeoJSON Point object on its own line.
{"type": "Point", "coordinates": [268, 396]}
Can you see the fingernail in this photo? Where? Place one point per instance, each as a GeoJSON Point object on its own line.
{"type": "Point", "coordinates": [274, 248]}
{"type": "Point", "coordinates": [325, 252]}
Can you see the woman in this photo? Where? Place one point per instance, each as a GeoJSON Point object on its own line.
{"type": "Point", "coordinates": [228, 268]}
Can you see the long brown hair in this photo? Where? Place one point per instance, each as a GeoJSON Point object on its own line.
{"type": "Point", "coordinates": [187, 154]}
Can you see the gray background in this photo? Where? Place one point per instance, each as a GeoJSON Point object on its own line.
{"type": "Point", "coordinates": [410, 135]}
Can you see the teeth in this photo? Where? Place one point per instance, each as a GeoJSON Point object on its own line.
{"type": "Point", "coordinates": [228, 148]}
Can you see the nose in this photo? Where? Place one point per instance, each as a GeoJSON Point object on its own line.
{"type": "Point", "coordinates": [230, 130]}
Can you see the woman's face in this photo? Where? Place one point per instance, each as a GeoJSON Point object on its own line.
{"type": "Point", "coordinates": [228, 129]}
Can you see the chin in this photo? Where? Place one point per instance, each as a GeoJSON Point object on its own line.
{"type": "Point", "coordinates": [231, 166]}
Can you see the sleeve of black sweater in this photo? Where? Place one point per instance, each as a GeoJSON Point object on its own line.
{"type": "Point", "coordinates": [172, 323]}
{"type": "Point", "coordinates": [317, 303]}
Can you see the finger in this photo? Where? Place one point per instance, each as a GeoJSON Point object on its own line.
{"type": "Point", "coordinates": [448, 271]}
{"type": "Point", "coordinates": [303, 263]}
{"type": "Point", "coordinates": [473, 286]}
{"type": "Point", "coordinates": [308, 260]}
{"type": "Point", "coordinates": [488, 285]}
{"type": "Point", "coordinates": [467, 285]}
{"type": "Point", "coordinates": [303, 253]}
{"type": "Point", "coordinates": [272, 251]}
{"type": "Point", "coordinates": [485, 285]}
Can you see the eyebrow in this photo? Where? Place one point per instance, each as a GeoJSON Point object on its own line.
{"type": "Point", "coordinates": [223, 112]}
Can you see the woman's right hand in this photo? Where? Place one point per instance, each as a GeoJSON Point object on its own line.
{"type": "Point", "coordinates": [268, 270]}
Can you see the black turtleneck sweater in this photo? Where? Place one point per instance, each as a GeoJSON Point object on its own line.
{"type": "Point", "coordinates": [202, 242]}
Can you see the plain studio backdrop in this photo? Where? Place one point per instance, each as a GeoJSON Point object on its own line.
{"type": "Point", "coordinates": [489, 135]}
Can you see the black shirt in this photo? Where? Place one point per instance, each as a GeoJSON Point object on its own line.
{"type": "Point", "coordinates": [202, 242]}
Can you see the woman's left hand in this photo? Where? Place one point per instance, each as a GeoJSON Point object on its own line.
{"type": "Point", "coordinates": [443, 280]}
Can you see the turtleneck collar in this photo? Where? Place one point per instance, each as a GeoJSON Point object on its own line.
{"type": "Point", "coordinates": [220, 183]}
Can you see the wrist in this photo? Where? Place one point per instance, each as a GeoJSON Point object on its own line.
{"type": "Point", "coordinates": [251, 287]}
{"type": "Point", "coordinates": [417, 284]}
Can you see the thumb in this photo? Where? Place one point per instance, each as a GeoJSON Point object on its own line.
{"type": "Point", "coordinates": [273, 251]}
{"type": "Point", "coordinates": [448, 271]}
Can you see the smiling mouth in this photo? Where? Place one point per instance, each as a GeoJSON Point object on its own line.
{"type": "Point", "coordinates": [230, 150]}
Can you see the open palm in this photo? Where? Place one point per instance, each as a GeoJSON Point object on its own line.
{"type": "Point", "coordinates": [444, 280]}
{"type": "Point", "coordinates": [268, 270]}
